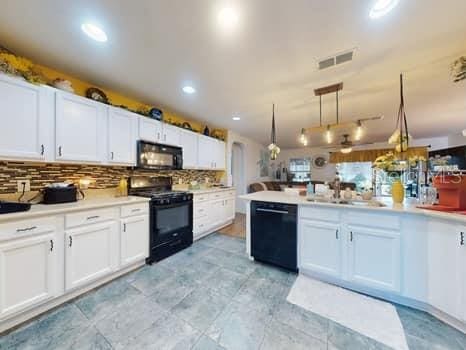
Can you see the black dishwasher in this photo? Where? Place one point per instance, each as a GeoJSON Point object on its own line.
{"type": "Point", "coordinates": [274, 234]}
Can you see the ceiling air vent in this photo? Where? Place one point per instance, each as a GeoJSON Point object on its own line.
{"type": "Point", "coordinates": [340, 58]}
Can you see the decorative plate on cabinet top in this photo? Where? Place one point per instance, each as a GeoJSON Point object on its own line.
{"type": "Point", "coordinates": [97, 95]}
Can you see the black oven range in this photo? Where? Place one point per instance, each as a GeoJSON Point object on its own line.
{"type": "Point", "coordinates": [171, 215]}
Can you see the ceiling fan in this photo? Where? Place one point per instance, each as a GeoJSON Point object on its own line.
{"type": "Point", "coordinates": [346, 145]}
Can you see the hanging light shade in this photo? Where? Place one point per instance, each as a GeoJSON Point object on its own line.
{"type": "Point", "coordinates": [273, 148]}
{"type": "Point", "coordinates": [303, 137]}
{"type": "Point", "coordinates": [400, 137]}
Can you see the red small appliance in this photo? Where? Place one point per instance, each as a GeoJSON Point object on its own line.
{"type": "Point", "coordinates": [452, 193]}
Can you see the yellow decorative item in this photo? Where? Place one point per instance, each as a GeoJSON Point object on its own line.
{"type": "Point", "coordinates": [123, 187]}
{"type": "Point", "coordinates": [398, 192]}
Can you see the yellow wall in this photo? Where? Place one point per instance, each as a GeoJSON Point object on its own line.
{"type": "Point", "coordinates": [116, 98]}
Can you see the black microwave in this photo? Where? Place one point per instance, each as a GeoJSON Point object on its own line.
{"type": "Point", "coordinates": [159, 157]}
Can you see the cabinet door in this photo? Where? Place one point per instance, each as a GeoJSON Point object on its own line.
{"type": "Point", "coordinates": [134, 241]}
{"type": "Point", "coordinates": [121, 137]}
{"type": "Point", "coordinates": [207, 152]}
{"type": "Point", "coordinates": [217, 212]}
{"type": "Point", "coordinates": [444, 267]}
{"type": "Point", "coordinates": [189, 144]}
{"type": "Point", "coordinates": [229, 209]}
{"type": "Point", "coordinates": [91, 253]}
{"type": "Point", "coordinates": [219, 162]}
{"type": "Point", "coordinates": [462, 271]}
{"type": "Point", "coordinates": [150, 130]}
{"type": "Point", "coordinates": [320, 247]}
{"type": "Point", "coordinates": [80, 129]}
{"type": "Point", "coordinates": [28, 274]}
{"type": "Point", "coordinates": [27, 117]}
{"type": "Point", "coordinates": [171, 135]}
{"type": "Point", "coordinates": [374, 258]}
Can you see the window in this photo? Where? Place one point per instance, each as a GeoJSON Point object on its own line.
{"type": "Point", "coordinates": [300, 169]}
{"type": "Point", "coordinates": [359, 173]}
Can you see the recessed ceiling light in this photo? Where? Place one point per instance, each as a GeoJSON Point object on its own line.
{"type": "Point", "coordinates": [382, 7]}
{"type": "Point", "coordinates": [228, 17]}
{"type": "Point", "coordinates": [94, 32]}
{"type": "Point", "coordinates": [236, 118]}
{"type": "Point", "coordinates": [189, 90]}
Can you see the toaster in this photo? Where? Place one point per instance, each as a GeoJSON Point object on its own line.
{"type": "Point", "coordinates": [56, 195]}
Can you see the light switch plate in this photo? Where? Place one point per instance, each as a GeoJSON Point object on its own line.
{"type": "Point", "coordinates": [26, 184]}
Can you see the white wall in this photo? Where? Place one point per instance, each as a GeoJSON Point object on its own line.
{"type": "Point", "coordinates": [252, 152]}
{"type": "Point", "coordinates": [456, 140]}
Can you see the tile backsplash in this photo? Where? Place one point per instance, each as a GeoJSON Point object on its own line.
{"type": "Point", "coordinates": [102, 177]}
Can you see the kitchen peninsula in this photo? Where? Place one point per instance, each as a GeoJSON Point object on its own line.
{"type": "Point", "coordinates": [401, 253]}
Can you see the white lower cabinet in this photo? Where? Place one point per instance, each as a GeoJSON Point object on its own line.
{"type": "Point", "coordinates": [320, 247]}
{"type": "Point", "coordinates": [28, 272]}
{"type": "Point", "coordinates": [374, 258]}
{"type": "Point", "coordinates": [212, 211]}
{"type": "Point", "coordinates": [134, 239]}
{"type": "Point", "coordinates": [463, 274]}
{"type": "Point", "coordinates": [91, 253]}
{"type": "Point", "coordinates": [367, 256]}
{"type": "Point", "coordinates": [446, 268]}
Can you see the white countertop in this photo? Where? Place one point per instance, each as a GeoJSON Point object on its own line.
{"type": "Point", "coordinates": [211, 190]}
{"type": "Point", "coordinates": [282, 197]}
{"type": "Point", "coordinates": [85, 204]}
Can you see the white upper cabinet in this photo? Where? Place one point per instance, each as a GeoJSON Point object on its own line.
{"type": "Point", "coordinates": [445, 269]}
{"type": "Point", "coordinates": [122, 131]}
{"type": "Point", "coordinates": [219, 161]}
{"type": "Point", "coordinates": [170, 135]}
{"type": "Point", "coordinates": [26, 113]}
{"type": "Point", "coordinates": [188, 141]}
{"type": "Point", "coordinates": [80, 129]}
{"type": "Point", "coordinates": [150, 130]}
{"type": "Point", "coordinates": [211, 153]}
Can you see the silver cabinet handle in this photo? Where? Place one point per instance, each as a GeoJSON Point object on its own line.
{"type": "Point", "coordinates": [351, 236]}
{"type": "Point", "coordinates": [158, 136]}
{"type": "Point", "coordinates": [26, 229]}
{"type": "Point", "coordinates": [71, 241]}
{"type": "Point", "coordinates": [51, 245]}
{"type": "Point", "coordinates": [112, 155]}
{"type": "Point", "coordinates": [336, 234]}
{"type": "Point", "coordinates": [135, 210]}
{"type": "Point", "coordinates": [42, 150]}
{"type": "Point", "coordinates": [93, 217]}
{"type": "Point", "coordinates": [462, 238]}
{"type": "Point", "coordinates": [124, 227]}
{"type": "Point", "coordinates": [60, 151]}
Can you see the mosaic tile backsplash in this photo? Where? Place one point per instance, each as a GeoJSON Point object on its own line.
{"type": "Point", "coordinates": [102, 177]}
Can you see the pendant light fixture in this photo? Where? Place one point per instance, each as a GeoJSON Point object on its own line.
{"type": "Point", "coordinates": [273, 148]}
{"type": "Point", "coordinates": [400, 137]}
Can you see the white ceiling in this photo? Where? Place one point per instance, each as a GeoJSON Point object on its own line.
{"type": "Point", "coordinates": [155, 47]}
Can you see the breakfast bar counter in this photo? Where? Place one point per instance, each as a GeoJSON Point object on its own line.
{"type": "Point", "coordinates": [400, 253]}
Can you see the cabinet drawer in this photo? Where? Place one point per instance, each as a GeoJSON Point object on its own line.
{"type": "Point", "coordinates": [134, 209]}
{"type": "Point", "coordinates": [24, 228]}
{"type": "Point", "coordinates": [200, 209]}
{"type": "Point", "coordinates": [379, 220]}
{"type": "Point", "coordinates": [89, 217]}
{"type": "Point", "coordinates": [218, 195]}
{"type": "Point", "coordinates": [201, 225]}
{"type": "Point", "coordinates": [201, 197]}
{"type": "Point", "coordinates": [322, 214]}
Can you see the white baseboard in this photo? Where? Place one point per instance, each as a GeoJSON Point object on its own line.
{"type": "Point", "coordinates": [27, 315]}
